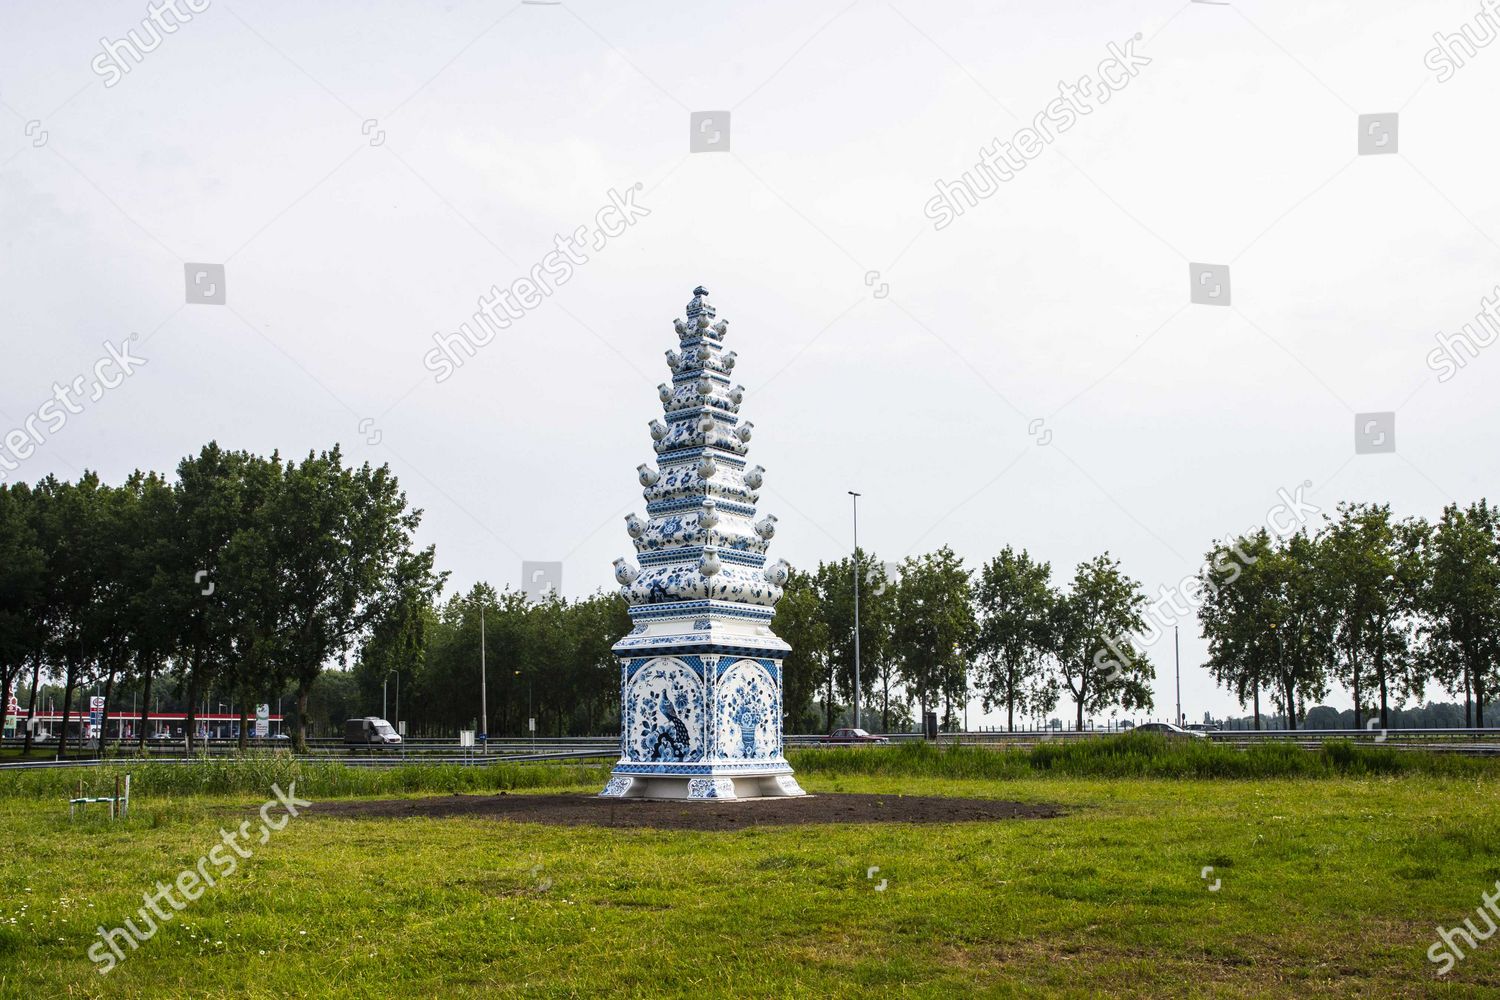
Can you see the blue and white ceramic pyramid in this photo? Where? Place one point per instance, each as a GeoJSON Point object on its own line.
{"type": "Point", "coordinates": [700, 673]}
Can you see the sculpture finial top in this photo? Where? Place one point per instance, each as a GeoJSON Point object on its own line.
{"type": "Point", "coordinates": [699, 307]}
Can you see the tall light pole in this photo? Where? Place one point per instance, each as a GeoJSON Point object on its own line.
{"type": "Point", "coordinates": [856, 607]}
{"type": "Point", "coordinates": [484, 694]}
{"type": "Point", "coordinates": [1177, 654]}
{"type": "Point", "coordinates": [384, 684]}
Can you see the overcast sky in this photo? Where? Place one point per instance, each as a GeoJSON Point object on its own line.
{"type": "Point", "coordinates": [1033, 373]}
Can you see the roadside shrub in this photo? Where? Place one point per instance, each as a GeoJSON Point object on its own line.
{"type": "Point", "coordinates": [1138, 755]}
{"type": "Point", "coordinates": [255, 773]}
{"type": "Point", "coordinates": [1132, 755]}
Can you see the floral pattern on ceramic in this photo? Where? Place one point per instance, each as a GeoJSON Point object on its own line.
{"type": "Point", "coordinates": [680, 481]}
{"type": "Point", "coordinates": [683, 581]}
{"type": "Point", "coordinates": [710, 788]}
{"type": "Point", "coordinates": [697, 525]}
{"type": "Point", "coordinates": [747, 713]}
{"type": "Point", "coordinates": [681, 478]}
{"type": "Point", "coordinates": [617, 786]}
{"type": "Point", "coordinates": [719, 433]}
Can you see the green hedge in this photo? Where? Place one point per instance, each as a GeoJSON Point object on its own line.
{"type": "Point", "coordinates": [255, 773]}
{"type": "Point", "coordinates": [1138, 755]}
{"type": "Point", "coordinates": [1134, 755]}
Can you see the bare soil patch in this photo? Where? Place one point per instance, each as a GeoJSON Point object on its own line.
{"type": "Point", "coordinates": [590, 810]}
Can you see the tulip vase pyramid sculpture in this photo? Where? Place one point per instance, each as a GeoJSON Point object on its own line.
{"type": "Point", "coordinates": [700, 672]}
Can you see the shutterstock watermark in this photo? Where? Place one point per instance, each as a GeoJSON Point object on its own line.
{"type": "Point", "coordinates": [162, 18]}
{"type": "Point", "coordinates": [1002, 159]}
{"type": "Point", "coordinates": [503, 306]}
{"type": "Point", "coordinates": [1446, 952]}
{"type": "Point", "coordinates": [20, 443]}
{"type": "Point", "coordinates": [107, 952]}
{"type": "Point", "coordinates": [1288, 515]}
{"type": "Point", "coordinates": [1475, 335]}
{"type": "Point", "coordinates": [1452, 52]}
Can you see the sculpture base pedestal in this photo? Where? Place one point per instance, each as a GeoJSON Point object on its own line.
{"type": "Point", "coordinates": [718, 785]}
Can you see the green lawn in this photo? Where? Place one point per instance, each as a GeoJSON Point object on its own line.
{"type": "Point", "coordinates": [1327, 887]}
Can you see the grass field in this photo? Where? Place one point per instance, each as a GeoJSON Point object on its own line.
{"type": "Point", "coordinates": [1326, 886]}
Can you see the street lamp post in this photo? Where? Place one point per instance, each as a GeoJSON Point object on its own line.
{"type": "Point", "coordinates": [856, 497]}
{"type": "Point", "coordinates": [1276, 631]}
{"type": "Point", "coordinates": [384, 684]}
{"type": "Point", "coordinates": [1177, 657]}
{"type": "Point", "coordinates": [484, 695]}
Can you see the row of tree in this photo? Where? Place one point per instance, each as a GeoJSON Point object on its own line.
{"type": "Point", "coordinates": [929, 632]}
{"type": "Point", "coordinates": [250, 575]}
{"type": "Point", "coordinates": [1384, 607]}
{"type": "Point", "coordinates": [547, 660]}
{"type": "Point", "coordinates": [933, 632]}
{"type": "Point", "coordinates": [1431, 715]}
{"type": "Point", "coordinates": [244, 573]}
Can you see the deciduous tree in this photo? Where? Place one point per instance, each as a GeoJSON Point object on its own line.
{"type": "Point", "coordinates": [1016, 607]}
{"type": "Point", "coordinates": [1093, 625]}
{"type": "Point", "coordinates": [935, 628]}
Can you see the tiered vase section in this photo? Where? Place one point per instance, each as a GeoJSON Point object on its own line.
{"type": "Point", "coordinates": [700, 672]}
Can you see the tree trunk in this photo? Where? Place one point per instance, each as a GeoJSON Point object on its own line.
{"type": "Point", "coordinates": [299, 742]}
{"type": "Point", "coordinates": [244, 726]}
{"type": "Point", "coordinates": [36, 673]}
{"type": "Point", "coordinates": [190, 724]}
{"type": "Point", "coordinates": [1359, 721]}
{"type": "Point", "coordinates": [1255, 690]}
{"type": "Point", "coordinates": [1479, 699]}
{"type": "Point", "coordinates": [1291, 706]}
{"type": "Point", "coordinates": [828, 701]}
{"type": "Point", "coordinates": [1468, 697]}
{"type": "Point", "coordinates": [1010, 713]}
{"type": "Point", "coordinates": [144, 722]}
{"type": "Point", "coordinates": [5, 697]}
{"type": "Point", "coordinates": [62, 737]}
{"type": "Point", "coordinates": [885, 697]}
{"type": "Point", "coordinates": [1380, 674]}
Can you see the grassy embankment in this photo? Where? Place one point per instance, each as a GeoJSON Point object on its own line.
{"type": "Point", "coordinates": [1333, 870]}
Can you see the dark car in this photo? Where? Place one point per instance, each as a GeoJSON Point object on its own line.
{"type": "Point", "coordinates": [1170, 731]}
{"type": "Point", "coordinates": [370, 732]}
{"type": "Point", "coordinates": [852, 737]}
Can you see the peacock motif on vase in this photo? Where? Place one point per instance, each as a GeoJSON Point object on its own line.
{"type": "Point", "coordinates": [664, 713]}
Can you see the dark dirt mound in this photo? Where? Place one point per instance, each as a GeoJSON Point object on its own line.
{"type": "Point", "coordinates": [590, 810]}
